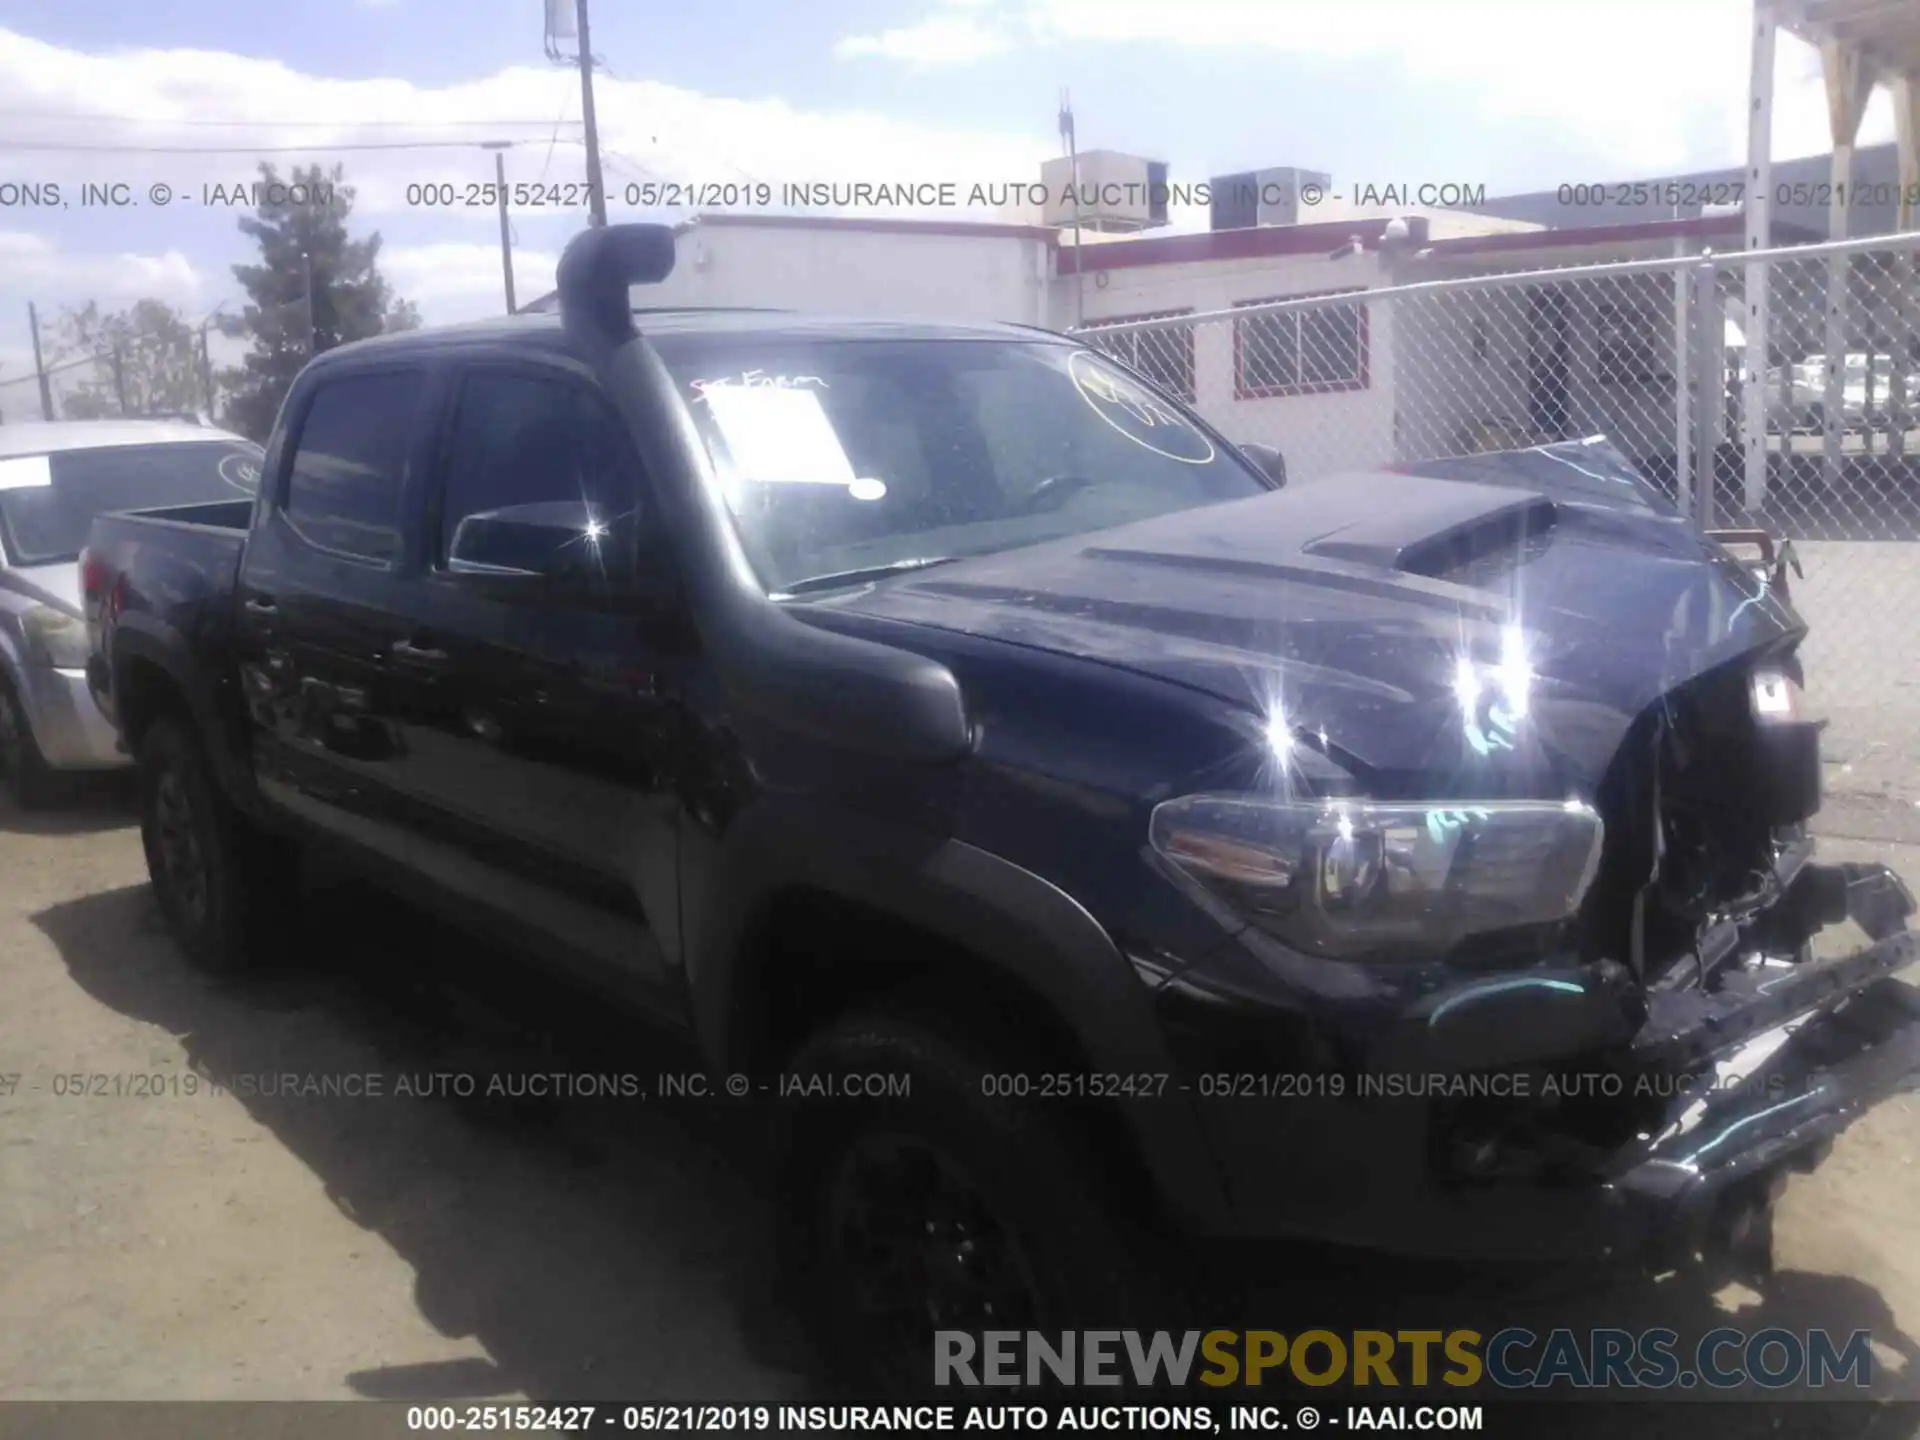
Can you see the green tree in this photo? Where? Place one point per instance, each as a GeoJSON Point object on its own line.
{"type": "Point", "coordinates": [313, 289]}
{"type": "Point", "coordinates": [146, 359]}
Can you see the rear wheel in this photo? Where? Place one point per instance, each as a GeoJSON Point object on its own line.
{"type": "Point", "coordinates": [23, 769]}
{"type": "Point", "coordinates": [941, 1206]}
{"type": "Point", "coordinates": [218, 880]}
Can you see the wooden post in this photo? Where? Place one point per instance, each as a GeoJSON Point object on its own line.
{"type": "Point", "coordinates": [39, 364]}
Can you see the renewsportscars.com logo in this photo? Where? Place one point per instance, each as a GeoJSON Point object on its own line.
{"type": "Point", "coordinates": [1512, 1359]}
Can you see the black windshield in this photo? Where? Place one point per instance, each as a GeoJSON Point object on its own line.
{"type": "Point", "coordinates": [851, 456]}
{"type": "Point", "coordinates": [48, 502]}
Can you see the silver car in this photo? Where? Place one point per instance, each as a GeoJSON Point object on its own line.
{"type": "Point", "coordinates": [54, 479]}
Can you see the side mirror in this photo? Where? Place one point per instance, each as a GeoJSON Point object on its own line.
{"type": "Point", "coordinates": [553, 545]}
{"type": "Point", "coordinates": [564, 550]}
{"type": "Point", "coordinates": [1271, 462]}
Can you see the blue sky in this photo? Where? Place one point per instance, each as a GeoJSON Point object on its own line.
{"type": "Point", "coordinates": [1512, 94]}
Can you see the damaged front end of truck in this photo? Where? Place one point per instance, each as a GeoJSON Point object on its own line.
{"type": "Point", "coordinates": [1688, 1005]}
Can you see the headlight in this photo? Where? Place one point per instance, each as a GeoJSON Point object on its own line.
{"type": "Point", "coordinates": [1366, 879]}
{"type": "Point", "coordinates": [58, 638]}
{"type": "Point", "coordinates": [1776, 697]}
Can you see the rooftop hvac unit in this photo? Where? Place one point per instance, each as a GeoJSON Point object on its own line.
{"type": "Point", "coordinates": [1279, 195]}
{"type": "Point", "coordinates": [1115, 192]}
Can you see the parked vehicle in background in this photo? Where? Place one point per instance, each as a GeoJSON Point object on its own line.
{"type": "Point", "coordinates": [1080, 830]}
{"type": "Point", "coordinates": [55, 478]}
{"type": "Point", "coordinates": [1797, 393]}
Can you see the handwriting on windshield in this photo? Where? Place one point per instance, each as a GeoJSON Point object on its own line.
{"type": "Point", "coordinates": [1136, 412]}
{"type": "Point", "coordinates": [755, 380]}
{"type": "Point", "coordinates": [1136, 402]}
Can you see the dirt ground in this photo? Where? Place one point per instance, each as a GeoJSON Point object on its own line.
{"type": "Point", "coordinates": [222, 1244]}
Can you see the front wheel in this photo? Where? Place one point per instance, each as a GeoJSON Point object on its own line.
{"type": "Point", "coordinates": [217, 880]}
{"type": "Point", "coordinates": [939, 1206]}
{"type": "Point", "coordinates": [24, 771]}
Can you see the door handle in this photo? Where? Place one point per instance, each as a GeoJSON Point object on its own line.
{"type": "Point", "coordinates": [407, 650]}
{"type": "Point", "coordinates": [257, 606]}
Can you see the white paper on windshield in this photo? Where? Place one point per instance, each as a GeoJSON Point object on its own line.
{"type": "Point", "coordinates": [26, 472]}
{"type": "Point", "coordinates": [779, 437]}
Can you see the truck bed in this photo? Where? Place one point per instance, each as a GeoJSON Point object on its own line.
{"type": "Point", "coordinates": [210, 515]}
{"type": "Point", "coordinates": [172, 569]}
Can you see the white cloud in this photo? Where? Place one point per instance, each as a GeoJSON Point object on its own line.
{"type": "Point", "coordinates": [1649, 84]}
{"type": "Point", "coordinates": [446, 257]}
{"type": "Point", "coordinates": [29, 260]}
{"type": "Point", "coordinates": [459, 280]}
{"type": "Point", "coordinates": [649, 131]}
{"type": "Point", "coordinates": [939, 40]}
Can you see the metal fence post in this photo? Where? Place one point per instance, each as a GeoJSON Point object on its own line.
{"type": "Point", "coordinates": [1709, 375]}
{"type": "Point", "coordinates": [1755, 366]}
{"type": "Point", "coordinates": [1682, 381]}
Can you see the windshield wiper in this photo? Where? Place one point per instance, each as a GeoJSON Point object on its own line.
{"type": "Point", "coordinates": [838, 578]}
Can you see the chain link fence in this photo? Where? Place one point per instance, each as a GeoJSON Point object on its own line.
{"type": "Point", "coordinates": [81, 387]}
{"type": "Point", "coordinates": [1710, 372]}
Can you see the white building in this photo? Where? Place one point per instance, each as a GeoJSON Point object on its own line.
{"type": "Point", "coordinates": [1335, 385]}
{"type": "Point", "coordinates": [1339, 385]}
{"type": "Point", "coordinates": [864, 267]}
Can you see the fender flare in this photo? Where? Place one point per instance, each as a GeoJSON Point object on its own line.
{"type": "Point", "coordinates": [139, 637]}
{"type": "Point", "coordinates": [1001, 913]}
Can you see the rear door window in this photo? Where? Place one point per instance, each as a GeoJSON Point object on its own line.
{"type": "Point", "coordinates": [344, 490]}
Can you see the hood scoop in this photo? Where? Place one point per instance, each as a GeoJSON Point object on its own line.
{"type": "Point", "coordinates": [1443, 532]}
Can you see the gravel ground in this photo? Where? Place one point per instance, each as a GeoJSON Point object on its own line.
{"type": "Point", "coordinates": [233, 1245]}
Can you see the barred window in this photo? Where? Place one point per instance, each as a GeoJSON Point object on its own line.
{"type": "Point", "coordinates": [1299, 352]}
{"type": "Point", "coordinates": [1163, 354]}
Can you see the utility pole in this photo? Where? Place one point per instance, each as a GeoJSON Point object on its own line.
{"type": "Point", "coordinates": [1073, 170]}
{"type": "Point", "coordinates": [499, 148]}
{"type": "Point", "coordinates": [120, 378]}
{"type": "Point", "coordinates": [596, 186]}
{"type": "Point", "coordinates": [39, 365]}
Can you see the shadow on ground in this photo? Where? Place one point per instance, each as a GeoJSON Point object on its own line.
{"type": "Point", "coordinates": [599, 1247]}
{"type": "Point", "coordinates": [84, 804]}
{"type": "Point", "coordinates": [615, 1248]}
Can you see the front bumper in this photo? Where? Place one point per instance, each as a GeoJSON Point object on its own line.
{"type": "Point", "coordinates": [67, 724]}
{"type": "Point", "coordinates": [1730, 1085]}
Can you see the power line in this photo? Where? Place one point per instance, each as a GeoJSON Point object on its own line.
{"type": "Point", "coordinates": [566, 104]}
{"type": "Point", "coordinates": [54, 147]}
{"type": "Point", "coordinates": [264, 123]}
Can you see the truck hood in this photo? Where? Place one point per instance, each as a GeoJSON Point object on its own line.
{"type": "Point", "coordinates": [1509, 626]}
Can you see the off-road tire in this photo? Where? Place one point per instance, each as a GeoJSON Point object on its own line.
{"type": "Point", "coordinates": [246, 879]}
{"type": "Point", "coordinates": [1087, 1265]}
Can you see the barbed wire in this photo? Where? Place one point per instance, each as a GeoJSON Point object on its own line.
{"type": "Point", "coordinates": [104, 357]}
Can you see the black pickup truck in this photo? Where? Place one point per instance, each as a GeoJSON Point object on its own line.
{"type": "Point", "coordinates": [1411, 860]}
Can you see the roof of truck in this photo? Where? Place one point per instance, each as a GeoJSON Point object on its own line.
{"type": "Point", "coordinates": [44, 437]}
{"type": "Point", "coordinates": [544, 330]}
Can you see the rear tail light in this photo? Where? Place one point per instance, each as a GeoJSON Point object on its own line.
{"type": "Point", "coordinates": [93, 575]}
